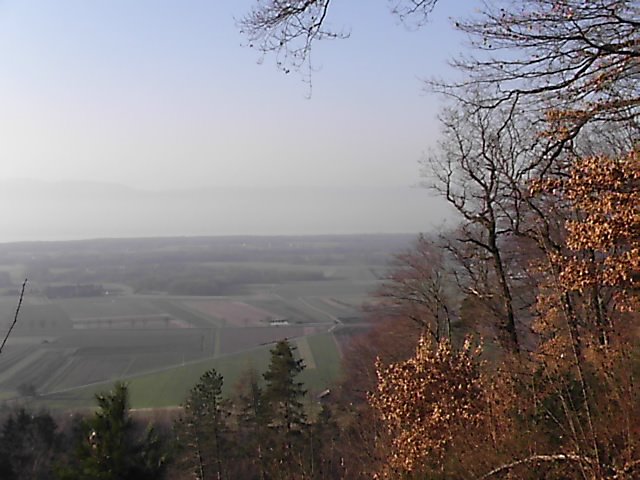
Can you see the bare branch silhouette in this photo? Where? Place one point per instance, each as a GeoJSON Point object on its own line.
{"type": "Point", "coordinates": [15, 316]}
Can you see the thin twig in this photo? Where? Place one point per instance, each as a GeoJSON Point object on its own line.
{"type": "Point", "coordinates": [15, 317]}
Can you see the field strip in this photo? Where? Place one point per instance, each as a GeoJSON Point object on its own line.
{"type": "Point", "coordinates": [197, 320]}
{"type": "Point", "coordinates": [304, 350]}
{"type": "Point", "coordinates": [126, 369]}
{"type": "Point", "coordinates": [150, 372]}
{"type": "Point", "coordinates": [337, 304]}
{"type": "Point", "coordinates": [217, 322]}
{"type": "Point", "coordinates": [216, 345]}
{"type": "Point", "coordinates": [150, 316]}
{"type": "Point", "coordinates": [326, 314]}
{"type": "Point", "coordinates": [60, 372]}
{"type": "Point", "coordinates": [21, 364]}
{"type": "Point", "coordinates": [337, 344]}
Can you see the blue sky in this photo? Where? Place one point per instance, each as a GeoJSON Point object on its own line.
{"type": "Point", "coordinates": [161, 94]}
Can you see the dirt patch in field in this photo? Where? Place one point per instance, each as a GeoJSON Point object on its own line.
{"type": "Point", "coordinates": [235, 314]}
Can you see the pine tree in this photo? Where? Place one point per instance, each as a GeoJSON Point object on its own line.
{"type": "Point", "coordinates": [283, 396]}
{"type": "Point", "coordinates": [203, 431]}
{"type": "Point", "coordinates": [28, 445]}
{"type": "Point", "coordinates": [252, 427]}
{"type": "Point", "coordinates": [108, 447]}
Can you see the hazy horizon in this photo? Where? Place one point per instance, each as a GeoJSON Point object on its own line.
{"type": "Point", "coordinates": [45, 211]}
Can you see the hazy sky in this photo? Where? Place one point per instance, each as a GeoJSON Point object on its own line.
{"type": "Point", "coordinates": [160, 94]}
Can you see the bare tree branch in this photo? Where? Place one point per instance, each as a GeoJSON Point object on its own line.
{"type": "Point", "coordinates": [413, 13]}
{"type": "Point", "coordinates": [572, 62]}
{"type": "Point", "coordinates": [288, 30]}
{"type": "Point", "coordinates": [15, 316]}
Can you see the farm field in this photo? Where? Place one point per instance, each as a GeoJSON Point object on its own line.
{"type": "Point", "coordinates": [64, 350]}
{"type": "Point", "coordinates": [233, 313]}
{"type": "Point", "coordinates": [169, 387]}
{"type": "Point", "coordinates": [125, 344]}
{"type": "Point", "coordinates": [126, 341]}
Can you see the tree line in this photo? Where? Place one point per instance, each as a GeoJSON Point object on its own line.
{"type": "Point", "coordinates": [266, 429]}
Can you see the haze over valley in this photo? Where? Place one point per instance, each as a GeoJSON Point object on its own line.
{"type": "Point", "coordinates": [39, 211]}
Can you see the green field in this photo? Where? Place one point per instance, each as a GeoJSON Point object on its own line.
{"type": "Point", "coordinates": [170, 386]}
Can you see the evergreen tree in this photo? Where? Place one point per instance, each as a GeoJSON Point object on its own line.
{"type": "Point", "coordinates": [28, 445]}
{"type": "Point", "coordinates": [252, 427]}
{"type": "Point", "coordinates": [203, 430]}
{"type": "Point", "coordinates": [108, 448]}
{"type": "Point", "coordinates": [283, 396]}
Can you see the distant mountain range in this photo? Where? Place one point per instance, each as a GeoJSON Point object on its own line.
{"type": "Point", "coordinates": [35, 210]}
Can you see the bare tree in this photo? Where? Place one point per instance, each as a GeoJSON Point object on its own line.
{"type": "Point", "coordinates": [481, 168]}
{"type": "Point", "coordinates": [419, 288]}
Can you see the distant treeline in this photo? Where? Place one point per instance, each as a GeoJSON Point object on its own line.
{"type": "Point", "coordinates": [73, 291]}
{"type": "Point", "coordinates": [307, 250]}
{"type": "Point", "coordinates": [201, 280]}
{"type": "Point", "coordinates": [169, 277]}
{"type": "Point", "coordinates": [190, 266]}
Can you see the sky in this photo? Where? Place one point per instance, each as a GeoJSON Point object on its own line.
{"type": "Point", "coordinates": [158, 94]}
{"type": "Point", "coordinates": [162, 95]}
